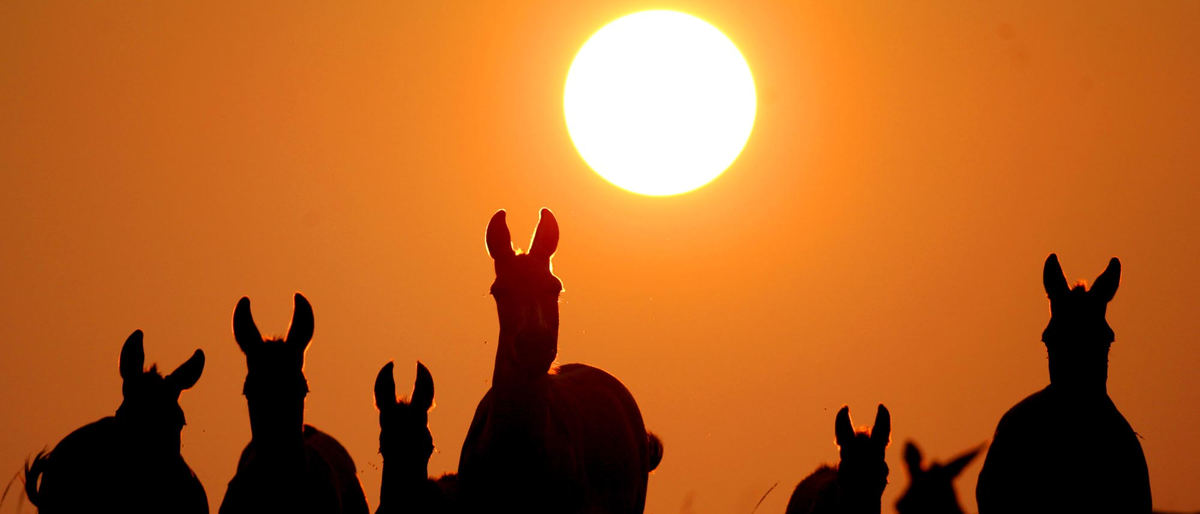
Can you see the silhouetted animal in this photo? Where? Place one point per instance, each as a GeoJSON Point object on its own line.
{"type": "Point", "coordinates": [568, 440]}
{"type": "Point", "coordinates": [856, 485]}
{"type": "Point", "coordinates": [406, 444]}
{"type": "Point", "coordinates": [1066, 448]}
{"type": "Point", "coordinates": [931, 490]}
{"type": "Point", "coordinates": [288, 466]}
{"type": "Point", "coordinates": [129, 462]}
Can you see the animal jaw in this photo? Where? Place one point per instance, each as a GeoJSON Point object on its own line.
{"type": "Point", "coordinates": [857, 483]}
{"type": "Point", "coordinates": [288, 465]}
{"type": "Point", "coordinates": [526, 293]}
{"type": "Point", "coordinates": [406, 445]}
{"type": "Point", "coordinates": [1078, 336]}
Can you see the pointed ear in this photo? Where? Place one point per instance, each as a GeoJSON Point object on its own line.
{"type": "Point", "coordinates": [842, 429]}
{"type": "Point", "coordinates": [1106, 284]}
{"type": "Point", "coordinates": [133, 357]}
{"type": "Point", "coordinates": [385, 388]}
{"type": "Point", "coordinates": [499, 243]}
{"type": "Point", "coordinates": [422, 396]}
{"type": "Point", "coordinates": [1053, 279]}
{"type": "Point", "coordinates": [545, 238]}
{"type": "Point", "coordinates": [244, 329]}
{"type": "Point", "coordinates": [301, 331]}
{"type": "Point", "coordinates": [912, 458]}
{"type": "Point", "coordinates": [882, 431]}
{"type": "Point", "coordinates": [959, 463]}
{"type": "Point", "coordinates": [186, 375]}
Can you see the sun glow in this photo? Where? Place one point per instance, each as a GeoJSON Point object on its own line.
{"type": "Point", "coordinates": [659, 102]}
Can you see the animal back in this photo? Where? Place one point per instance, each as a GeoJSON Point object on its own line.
{"type": "Point", "coordinates": [323, 479]}
{"type": "Point", "coordinates": [573, 442]}
{"type": "Point", "coordinates": [1054, 453]}
{"type": "Point", "coordinates": [816, 493]}
{"type": "Point", "coordinates": [102, 468]}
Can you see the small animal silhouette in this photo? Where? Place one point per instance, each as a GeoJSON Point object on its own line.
{"type": "Point", "coordinates": [406, 445]}
{"type": "Point", "coordinates": [563, 441]}
{"type": "Point", "coordinates": [856, 485]}
{"type": "Point", "coordinates": [931, 490]}
{"type": "Point", "coordinates": [1067, 448]}
{"type": "Point", "coordinates": [288, 466]}
{"type": "Point", "coordinates": [128, 462]}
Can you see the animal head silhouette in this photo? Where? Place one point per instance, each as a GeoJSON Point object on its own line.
{"type": "Point", "coordinates": [275, 386]}
{"type": "Point", "coordinates": [863, 472]}
{"type": "Point", "coordinates": [526, 293]}
{"type": "Point", "coordinates": [1077, 313]}
{"type": "Point", "coordinates": [931, 489]}
{"type": "Point", "coordinates": [404, 425]}
{"type": "Point", "coordinates": [1078, 335]}
{"type": "Point", "coordinates": [151, 401]}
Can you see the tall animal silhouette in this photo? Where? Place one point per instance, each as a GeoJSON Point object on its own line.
{"type": "Point", "coordinates": [856, 485]}
{"type": "Point", "coordinates": [1066, 448]}
{"type": "Point", "coordinates": [128, 462]}
{"type": "Point", "coordinates": [565, 440]}
{"type": "Point", "coordinates": [406, 445]}
{"type": "Point", "coordinates": [288, 466]}
{"type": "Point", "coordinates": [931, 489]}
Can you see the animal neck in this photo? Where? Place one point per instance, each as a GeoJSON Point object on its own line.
{"type": "Point", "coordinates": [276, 427]}
{"type": "Point", "coordinates": [522, 361]}
{"type": "Point", "coordinates": [403, 479]}
{"type": "Point", "coordinates": [1081, 373]}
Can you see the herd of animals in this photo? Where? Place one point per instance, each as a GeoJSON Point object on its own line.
{"type": "Point", "coordinates": [571, 439]}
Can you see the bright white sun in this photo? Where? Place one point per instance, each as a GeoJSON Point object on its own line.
{"type": "Point", "coordinates": [659, 102]}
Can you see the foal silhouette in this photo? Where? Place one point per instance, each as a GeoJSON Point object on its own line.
{"type": "Point", "coordinates": [931, 489]}
{"type": "Point", "coordinates": [129, 462]}
{"type": "Point", "coordinates": [856, 485]}
{"type": "Point", "coordinates": [406, 444]}
{"type": "Point", "coordinates": [288, 466]}
{"type": "Point", "coordinates": [565, 440]}
{"type": "Point", "coordinates": [1066, 448]}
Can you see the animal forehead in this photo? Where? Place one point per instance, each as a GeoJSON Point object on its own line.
{"type": "Point", "coordinates": [149, 381]}
{"type": "Point", "coordinates": [1077, 303]}
{"type": "Point", "coordinates": [862, 439]}
{"type": "Point", "coordinates": [524, 269]}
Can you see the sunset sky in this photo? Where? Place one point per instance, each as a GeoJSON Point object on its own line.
{"type": "Point", "coordinates": [879, 240]}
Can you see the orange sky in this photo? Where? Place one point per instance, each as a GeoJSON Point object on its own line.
{"type": "Point", "coordinates": [880, 239]}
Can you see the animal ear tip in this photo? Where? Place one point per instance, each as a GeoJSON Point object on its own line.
{"type": "Point", "coordinates": [301, 300]}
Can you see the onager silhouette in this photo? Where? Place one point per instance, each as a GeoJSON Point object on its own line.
{"type": "Point", "coordinates": [406, 445]}
{"type": "Point", "coordinates": [129, 462]}
{"type": "Point", "coordinates": [1066, 448]}
{"type": "Point", "coordinates": [288, 466]}
{"type": "Point", "coordinates": [565, 440]}
{"type": "Point", "coordinates": [931, 490]}
{"type": "Point", "coordinates": [856, 485]}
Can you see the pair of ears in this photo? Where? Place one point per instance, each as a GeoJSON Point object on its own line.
{"type": "Point", "coordinates": [545, 237]}
{"type": "Point", "coordinates": [1103, 289]}
{"type": "Point", "coordinates": [133, 362]}
{"type": "Point", "coordinates": [912, 458]}
{"type": "Point", "coordinates": [299, 334]}
{"type": "Point", "coordinates": [844, 429]}
{"type": "Point", "coordinates": [385, 388]}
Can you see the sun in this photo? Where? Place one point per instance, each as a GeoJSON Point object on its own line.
{"type": "Point", "coordinates": [659, 102]}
